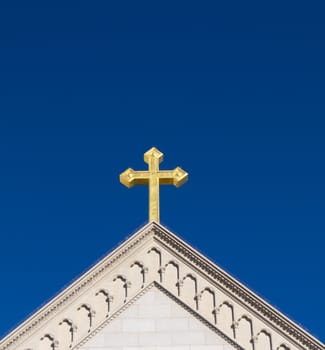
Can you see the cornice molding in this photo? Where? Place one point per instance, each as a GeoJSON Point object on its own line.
{"type": "Point", "coordinates": [237, 290]}
{"type": "Point", "coordinates": [193, 258]}
{"type": "Point", "coordinates": [72, 291]}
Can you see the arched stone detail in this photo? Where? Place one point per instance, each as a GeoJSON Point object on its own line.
{"type": "Point", "coordinates": [143, 271]}
{"type": "Point", "coordinates": [225, 318]}
{"type": "Point", "coordinates": [283, 347]}
{"type": "Point", "coordinates": [53, 343]}
{"type": "Point", "coordinates": [263, 340]}
{"type": "Point", "coordinates": [160, 267]}
{"type": "Point", "coordinates": [171, 277]}
{"type": "Point", "coordinates": [72, 328]}
{"type": "Point", "coordinates": [108, 299]}
{"type": "Point", "coordinates": [189, 292]}
{"type": "Point", "coordinates": [125, 284]}
{"type": "Point", "coordinates": [207, 304]}
{"type": "Point", "coordinates": [90, 314]}
{"type": "Point", "coordinates": [244, 332]}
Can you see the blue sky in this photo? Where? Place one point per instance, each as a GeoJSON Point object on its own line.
{"type": "Point", "coordinates": [231, 92]}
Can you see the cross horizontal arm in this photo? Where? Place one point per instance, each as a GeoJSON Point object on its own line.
{"type": "Point", "coordinates": [131, 177]}
{"type": "Point", "coordinates": [173, 177]}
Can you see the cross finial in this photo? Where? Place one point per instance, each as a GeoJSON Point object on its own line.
{"type": "Point", "coordinates": [153, 177]}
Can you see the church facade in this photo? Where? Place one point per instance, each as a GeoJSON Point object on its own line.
{"type": "Point", "coordinates": [155, 292]}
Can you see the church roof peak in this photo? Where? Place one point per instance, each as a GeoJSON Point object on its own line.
{"type": "Point", "coordinates": [154, 254]}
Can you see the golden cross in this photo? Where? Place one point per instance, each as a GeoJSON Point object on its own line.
{"type": "Point", "coordinates": [153, 177]}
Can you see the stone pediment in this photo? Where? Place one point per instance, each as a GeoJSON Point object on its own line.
{"type": "Point", "coordinates": [156, 318]}
{"type": "Point", "coordinates": [154, 259]}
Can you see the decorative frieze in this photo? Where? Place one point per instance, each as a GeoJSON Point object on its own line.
{"type": "Point", "coordinates": [156, 256]}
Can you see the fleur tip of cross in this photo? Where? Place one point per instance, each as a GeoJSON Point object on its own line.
{"type": "Point", "coordinates": [153, 153]}
{"type": "Point", "coordinates": [127, 178]}
{"type": "Point", "coordinates": [180, 177]}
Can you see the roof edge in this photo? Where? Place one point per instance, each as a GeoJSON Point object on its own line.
{"type": "Point", "coordinates": [76, 286]}
{"type": "Point", "coordinates": [237, 289]}
{"type": "Point", "coordinates": [202, 264]}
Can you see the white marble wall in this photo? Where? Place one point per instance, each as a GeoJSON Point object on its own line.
{"type": "Point", "coordinates": [155, 322]}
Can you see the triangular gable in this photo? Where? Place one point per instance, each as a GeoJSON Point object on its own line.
{"type": "Point", "coordinates": [156, 318]}
{"type": "Point", "coordinates": [156, 255]}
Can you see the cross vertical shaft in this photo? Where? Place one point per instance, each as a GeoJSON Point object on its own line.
{"type": "Point", "coordinates": [153, 177]}
{"type": "Point", "coordinates": [153, 164]}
